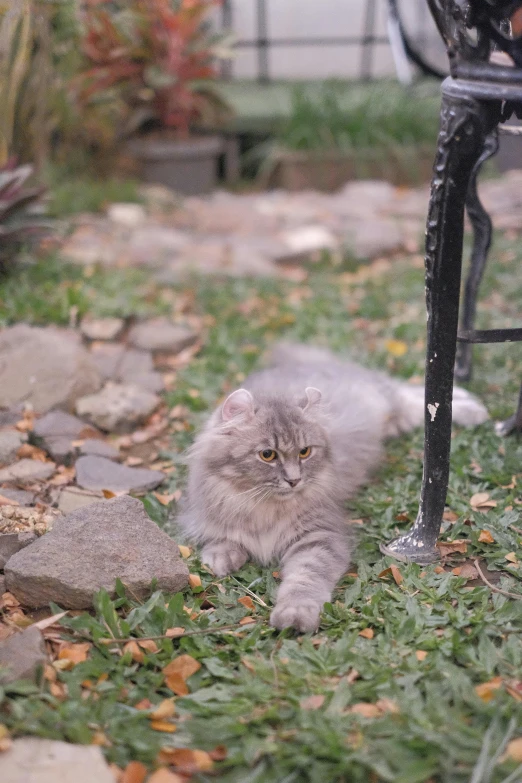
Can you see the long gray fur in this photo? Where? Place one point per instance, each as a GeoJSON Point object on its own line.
{"type": "Point", "coordinates": [239, 507]}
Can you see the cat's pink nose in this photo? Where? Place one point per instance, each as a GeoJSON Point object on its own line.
{"type": "Point", "coordinates": [293, 482]}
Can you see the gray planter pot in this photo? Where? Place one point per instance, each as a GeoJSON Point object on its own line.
{"type": "Point", "coordinates": [188, 167]}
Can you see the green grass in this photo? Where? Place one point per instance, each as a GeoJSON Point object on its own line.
{"type": "Point", "coordinates": [76, 189]}
{"type": "Point", "coordinates": [247, 693]}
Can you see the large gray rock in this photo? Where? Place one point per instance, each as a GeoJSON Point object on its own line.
{"type": "Point", "coordinates": [10, 543]}
{"type": "Point", "coordinates": [118, 407]}
{"type": "Point", "coordinates": [107, 358]}
{"type": "Point", "coordinates": [45, 368]}
{"type": "Point", "coordinates": [160, 334]}
{"type": "Point", "coordinates": [98, 473]}
{"type": "Point", "coordinates": [10, 442]}
{"type": "Point", "coordinates": [32, 760]}
{"type": "Point", "coordinates": [25, 471]}
{"type": "Point", "coordinates": [21, 657]}
{"type": "Point", "coordinates": [89, 550]}
{"type": "Point", "coordinates": [99, 448]}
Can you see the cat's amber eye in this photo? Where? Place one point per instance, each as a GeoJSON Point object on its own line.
{"type": "Point", "coordinates": [304, 453]}
{"type": "Point", "coordinates": [268, 455]}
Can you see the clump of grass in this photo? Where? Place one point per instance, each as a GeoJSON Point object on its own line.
{"type": "Point", "coordinates": [382, 114]}
{"type": "Point", "coordinates": [74, 189]}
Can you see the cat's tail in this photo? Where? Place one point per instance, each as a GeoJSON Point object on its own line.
{"type": "Point", "coordinates": [468, 411]}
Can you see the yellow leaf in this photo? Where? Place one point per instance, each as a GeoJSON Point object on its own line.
{"type": "Point", "coordinates": [247, 602]}
{"type": "Point", "coordinates": [486, 690]}
{"type": "Point", "coordinates": [189, 761]}
{"type": "Point", "coordinates": [450, 547]}
{"type": "Point", "coordinates": [194, 580]}
{"type": "Point", "coordinates": [394, 572]}
{"type": "Point", "coordinates": [184, 550]}
{"type": "Point", "coordinates": [396, 347]}
{"type": "Point", "coordinates": [164, 499]}
{"type": "Point", "coordinates": [162, 725]}
{"type": "Point", "coordinates": [514, 750]}
{"type": "Point", "coordinates": [485, 537]}
{"type": "Point", "coordinates": [99, 738]}
{"type": "Point", "coordinates": [482, 502]}
{"type": "Point", "coordinates": [420, 654]}
{"type": "Point", "coordinates": [312, 702]}
{"type": "Point", "coordinates": [367, 633]}
{"type": "Point", "coordinates": [164, 709]}
{"type": "Point", "coordinates": [511, 556]}
{"type": "Point", "coordinates": [177, 684]}
{"type": "Point", "coordinates": [246, 621]}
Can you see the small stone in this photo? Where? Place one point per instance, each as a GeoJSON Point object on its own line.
{"type": "Point", "coordinates": [369, 239]}
{"type": "Point", "coordinates": [33, 760]}
{"type": "Point", "coordinates": [73, 498]}
{"type": "Point", "coordinates": [102, 328]}
{"type": "Point", "coordinates": [27, 470]}
{"type": "Point", "coordinates": [89, 550]}
{"type": "Point", "coordinates": [10, 442]}
{"type": "Point", "coordinates": [43, 367]}
{"type": "Point", "coordinates": [118, 407]}
{"type": "Point", "coordinates": [22, 657]}
{"type": "Point", "coordinates": [20, 496]}
{"type": "Point", "coordinates": [99, 448]}
{"type": "Point", "coordinates": [59, 423]}
{"type": "Point", "coordinates": [98, 473]}
{"type": "Point", "coordinates": [107, 359]}
{"type": "Point", "coordinates": [150, 381]}
{"type": "Point", "coordinates": [126, 214]}
{"type": "Point", "coordinates": [10, 543]}
{"type": "Point", "coordinates": [309, 240]}
{"type": "Point", "coordinates": [160, 334]}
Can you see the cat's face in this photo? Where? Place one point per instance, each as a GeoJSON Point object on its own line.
{"type": "Point", "coordinates": [270, 448]}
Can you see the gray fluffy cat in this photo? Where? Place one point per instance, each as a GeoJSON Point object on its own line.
{"type": "Point", "coordinates": [271, 470]}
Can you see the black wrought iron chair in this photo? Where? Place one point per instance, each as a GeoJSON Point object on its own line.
{"type": "Point", "coordinates": [478, 95]}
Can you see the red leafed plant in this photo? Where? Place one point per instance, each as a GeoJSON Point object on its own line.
{"type": "Point", "coordinates": [156, 57]}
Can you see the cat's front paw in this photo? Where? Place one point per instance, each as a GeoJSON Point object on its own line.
{"type": "Point", "coordinates": [223, 560]}
{"type": "Point", "coordinates": [303, 616]}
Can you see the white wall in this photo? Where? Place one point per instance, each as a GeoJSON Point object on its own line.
{"type": "Point", "coordinates": [326, 18]}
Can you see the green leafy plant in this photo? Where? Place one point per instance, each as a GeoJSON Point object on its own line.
{"type": "Point", "coordinates": [155, 59]}
{"type": "Point", "coordinates": [20, 213]}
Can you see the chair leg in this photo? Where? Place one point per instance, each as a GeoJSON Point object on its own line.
{"type": "Point", "coordinates": [465, 123]}
{"type": "Point", "coordinates": [482, 230]}
{"type": "Point", "coordinates": [514, 423]}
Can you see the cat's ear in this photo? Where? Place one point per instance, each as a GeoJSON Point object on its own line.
{"type": "Point", "coordinates": [313, 396]}
{"type": "Point", "coordinates": [238, 403]}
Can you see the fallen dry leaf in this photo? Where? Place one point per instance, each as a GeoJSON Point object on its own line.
{"type": "Point", "coordinates": [511, 485]}
{"type": "Point", "coordinates": [28, 451]}
{"type": "Point", "coordinates": [481, 501]}
{"type": "Point", "coordinates": [99, 738]}
{"type": "Point", "coordinates": [133, 648]}
{"type": "Point", "coordinates": [184, 550]}
{"type": "Point", "coordinates": [164, 709]}
{"type": "Point", "coordinates": [219, 753]}
{"type": "Point", "coordinates": [514, 688]}
{"type": "Point", "coordinates": [184, 665]}
{"type": "Point", "coordinates": [438, 570]}
{"type": "Point", "coordinates": [48, 621]}
{"type": "Point", "coordinates": [246, 621]}
{"type": "Point", "coordinates": [149, 645]}
{"type": "Point", "coordinates": [194, 580]}
{"type": "Point", "coordinates": [450, 547]}
{"type": "Point", "coordinates": [312, 702]}
{"type": "Point", "coordinates": [134, 772]}
{"type": "Point", "coordinates": [162, 725]}
{"type": "Point", "coordinates": [486, 690]}
{"type": "Point", "coordinates": [144, 704]}
{"type": "Point", "coordinates": [352, 676]}
{"type": "Point", "coordinates": [485, 537]}
{"type": "Point", "coordinates": [514, 750]}
{"type": "Point", "coordinates": [164, 775]}
{"type": "Point", "coordinates": [74, 653]}
{"type": "Point", "coordinates": [5, 738]}
{"type": "Point", "coordinates": [7, 502]}
{"type": "Point", "coordinates": [172, 633]}
{"type": "Point", "coordinates": [467, 570]}
{"type": "Point", "coordinates": [367, 633]}
{"type": "Point", "coordinates": [247, 602]}
{"type": "Point", "coordinates": [165, 500]}
{"type": "Point", "coordinates": [366, 709]}
{"type": "Point", "coordinates": [396, 348]}
{"type": "Point", "coordinates": [246, 663]}
{"type": "Point", "coordinates": [421, 654]}
{"type": "Point", "coordinates": [188, 761]}
{"type": "Point", "coordinates": [394, 572]}
{"type": "Point", "coordinates": [388, 705]}
{"type": "Point", "coordinates": [511, 557]}
{"type": "Point", "coordinates": [450, 516]}
{"type": "Point", "coordinates": [117, 772]}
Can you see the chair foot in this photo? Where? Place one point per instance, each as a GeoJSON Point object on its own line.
{"type": "Point", "coordinates": [406, 550]}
